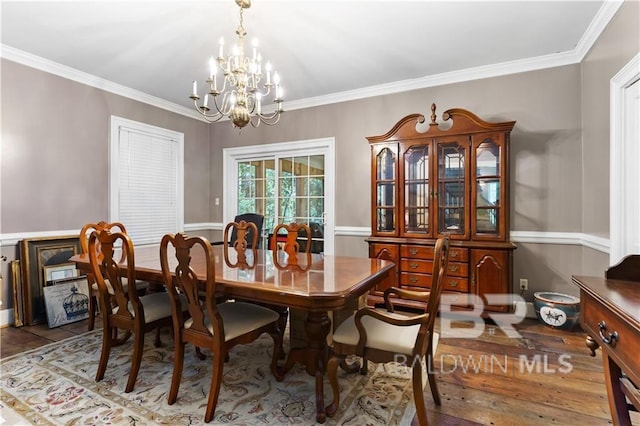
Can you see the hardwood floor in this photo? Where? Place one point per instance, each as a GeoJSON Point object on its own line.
{"type": "Point", "coordinates": [544, 377]}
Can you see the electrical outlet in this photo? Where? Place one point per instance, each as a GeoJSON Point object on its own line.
{"type": "Point", "coordinates": [524, 284]}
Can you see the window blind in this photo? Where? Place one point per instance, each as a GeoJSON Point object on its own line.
{"type": "Point", "coordinates": [149, 185]}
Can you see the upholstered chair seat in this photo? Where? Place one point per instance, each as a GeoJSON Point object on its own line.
{"type": "Point", "coordinates": [380, 335]}
{"type": "Point", "coordinates": [239, 317]}
{"type": "Point", "coordinates": [156, 306]}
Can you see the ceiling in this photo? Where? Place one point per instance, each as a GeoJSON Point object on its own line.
{"type": "Point", "coordinates": [324, 50]}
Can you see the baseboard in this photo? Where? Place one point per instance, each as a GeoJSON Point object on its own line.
{"type": "Point", "coordinates": [531, 311]}
{"type": "Point", "coordinates": [6, 317]}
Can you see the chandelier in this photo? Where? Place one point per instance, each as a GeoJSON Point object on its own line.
{"type": "Point", "coordinates": [243, 75]}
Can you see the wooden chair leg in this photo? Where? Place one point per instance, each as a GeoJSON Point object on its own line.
{"type": "Point", "coordinates": [418, 394]}
{"type": "Point", "coordinates": [201, 356]}
{"type": "Point", "coordinates": [277, 348]}
{"type": "Point", "coordinates": [432, 379]}
{"type": "Point", "coordinates": [92, 312]}
{"type": "Point", "coordinates": [349, 368]}
{"type": "Point", "coordinates": [157, 343]}
{"type": "Point", "coordinates": [282, 324]}
{"type": "Point", "coordinates": [104, 355]}
{"type": "Point", "coordinates": [178, 363]}
{"type": "Point", "coordinates": [214, 390]}
{"type": "Point", "coordinates": [136, 360]}
{"type": "Point", "coordinates": [364, 370]}
{"type": "Point", "coordinates": [332, 375]}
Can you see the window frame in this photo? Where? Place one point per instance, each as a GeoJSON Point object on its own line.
{"type": "Point", "coordinates": [118, 124]}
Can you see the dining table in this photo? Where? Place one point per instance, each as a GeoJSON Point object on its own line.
{"type": "Point", "coordinates": [316, 284]}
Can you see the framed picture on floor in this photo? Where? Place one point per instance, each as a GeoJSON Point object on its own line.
{"type": "Point", "coordinates": [67, 301]}
{"type": "Point", "coordinates": [35, 255]}
{"type": "Point", "coordinates": [16, 282]}
{"type": "Point", "coordinates": [62, 271]}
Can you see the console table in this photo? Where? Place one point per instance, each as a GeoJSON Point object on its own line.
{"type": "Point", "coordinates": [610, 314]}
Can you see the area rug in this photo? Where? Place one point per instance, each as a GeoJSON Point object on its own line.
{"type": "Point", "coordinates": [54, 385]}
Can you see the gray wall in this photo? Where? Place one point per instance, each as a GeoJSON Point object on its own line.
{"type": "Point", "coordinates": [55, 150]}
{"type": "Point", "coordinates": [53, 167]}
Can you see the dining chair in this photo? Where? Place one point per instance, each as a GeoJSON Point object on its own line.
{"type": "Point", "coordinates": [285, 238]}
{"type": "Point", "coordinates": [132, 313]}
{"type": "Point", "coordinates": [255, 218]}
{"type": "Point", "coordinates": [246, 238]}
{"type": "Point", "coordinates": [217, 327]}
{"type": "Point", "coordinates": [382, 335]}
{"type": "Point", "coordinates": [141, 286]}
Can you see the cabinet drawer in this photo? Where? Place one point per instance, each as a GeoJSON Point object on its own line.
{"type": "Point", "coordinates": [456, 284]}
{"type": "Point", "coordinates": [627, 345]}
{"type": "Point", "coordinates": [457, 269]}
{"type": "Point", "coordinates": [416, 252]}
{"type": "Point", "coordinates": [425, 280]}
{"type": "Point", "coordinates": [415, 280]}
{"type": "Point", "coordinates": [415, 265]}
{"type": "Point", "coordinates": [454, 269]}
{"type": "Point", "coordinates": [456, 254]}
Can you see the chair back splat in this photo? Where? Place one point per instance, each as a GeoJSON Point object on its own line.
{"type": "Point", "coordinates": [381, 335]}
{"type": "Point", "coordinates": [210, 325]}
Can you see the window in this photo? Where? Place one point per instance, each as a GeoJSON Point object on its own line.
{"type": "Point", "coordinates": [287, 182]}
{"type": "Point", "coordinates": [146, 180]}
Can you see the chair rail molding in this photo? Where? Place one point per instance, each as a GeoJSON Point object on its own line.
{"type": "Point", "coordinates": [535, 237]}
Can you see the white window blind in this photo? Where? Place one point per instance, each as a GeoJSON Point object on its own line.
{"type": "Point", "coordinates": [147, 181]}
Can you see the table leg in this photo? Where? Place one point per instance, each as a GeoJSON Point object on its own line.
{"type": "Point", "coordinates": [617, 399]}
{"type": "Point", "coordinates": [313, 356]}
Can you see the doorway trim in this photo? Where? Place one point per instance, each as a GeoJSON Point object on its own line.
{"type": "Point", "coordinates": [621, 164]}
{"type": "Point", "coordinates": [326, 146]}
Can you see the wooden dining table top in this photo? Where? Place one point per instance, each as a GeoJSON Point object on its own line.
{"type": "Point", "coordinates": [318, 282]}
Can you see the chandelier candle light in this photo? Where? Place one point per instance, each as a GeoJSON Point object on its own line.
{"type": "Point", "coordinates": [242, 103]}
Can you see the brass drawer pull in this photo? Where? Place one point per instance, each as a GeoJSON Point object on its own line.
{"type": "Point", "coordinates": [413, 265]}
{"type": "Point", "coordinates": [413, 280]}
{"type": "Point", "coordinates": [453, 268]}
{"type": "Point", "coordinates": [413, 251]}
{"type": "Point", "coordinates": [453, 253]}
{"type": "Point", "coordinates": [609, 338]}
{"type": "Point", "coordinates": [453, 283]}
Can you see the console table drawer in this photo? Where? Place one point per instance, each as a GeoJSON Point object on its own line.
{"type": "Point", "coordinates": [625, 347]}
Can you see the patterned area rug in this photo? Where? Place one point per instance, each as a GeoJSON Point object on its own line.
{"type": "Point", "coordinates": [54, 385]}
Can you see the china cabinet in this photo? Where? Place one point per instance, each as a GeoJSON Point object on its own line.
{"type": "Point", "coordinates": [450, 178]}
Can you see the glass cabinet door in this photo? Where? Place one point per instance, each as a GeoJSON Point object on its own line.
{"type": "Point", "coordinates": [452, 164]}
{"type": "Point", "coordinates": [416, 190]}
{"type": "Point", "coordinates": [488, 188]}
{"type": "Point", "coordinates": [385, 187]}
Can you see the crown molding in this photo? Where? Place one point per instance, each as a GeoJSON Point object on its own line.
{"type": "Point", "coordinates": [607, 11]}
{"type": "Point", "coordinates": [37, 62]}
{"type": "Point", "coordinates": [595, 28]}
